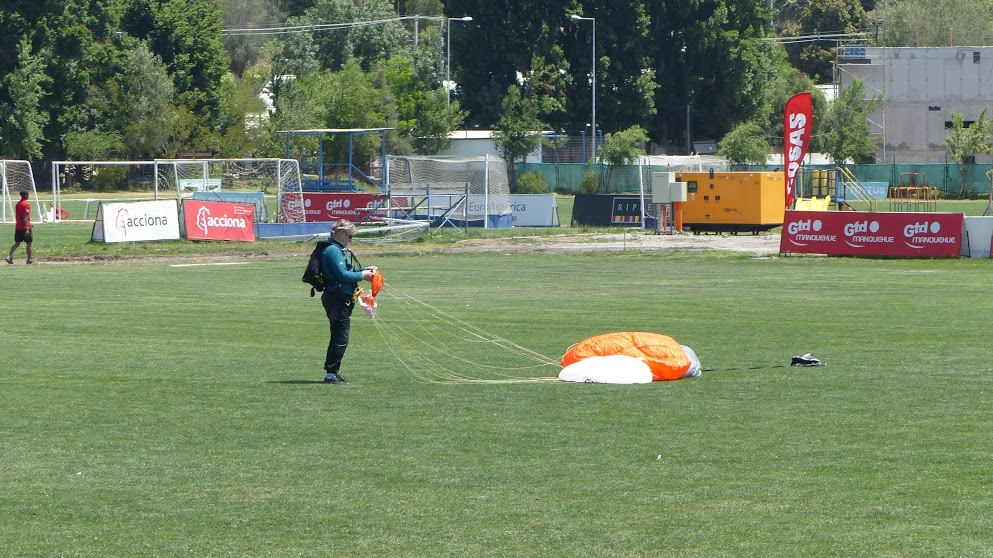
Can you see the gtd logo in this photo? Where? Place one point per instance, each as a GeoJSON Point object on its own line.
{"type": "Point", "coordinates": [914, 229]}
{"type": "Point", "coordinates": [855, 228]}
{"type": "Point", "coordinates": [808, 225]}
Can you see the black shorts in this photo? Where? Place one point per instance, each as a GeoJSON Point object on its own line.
{"type": "Point", "coordinates": [22, 235]}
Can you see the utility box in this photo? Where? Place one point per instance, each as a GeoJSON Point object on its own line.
{"type": "Point", "coordinates": [733, 201]}
{"type": "Point", "coordinates": [666, 189]}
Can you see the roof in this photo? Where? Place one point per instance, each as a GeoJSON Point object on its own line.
{"type": "Point", "coordinates": [335, 131]}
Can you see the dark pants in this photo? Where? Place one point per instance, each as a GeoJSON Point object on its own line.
{"type": "Point", "coordinates": [339, 310]}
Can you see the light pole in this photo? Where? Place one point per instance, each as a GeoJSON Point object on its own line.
{"type": "Point", "coordinates": [593, 82]}
{"type": "Point", "coordinates": [448, 58]}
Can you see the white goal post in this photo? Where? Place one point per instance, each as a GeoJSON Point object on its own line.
{"type": "Point", "coordinates": [14, 177]}
{"type": "Point", "coordinates": [223, 179]}
{"type": "Point", "coordinates": [488, 191]}
{"type": "Point", "coordinates": [241, 180]}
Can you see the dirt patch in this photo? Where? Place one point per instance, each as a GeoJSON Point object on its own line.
{"type": "Point", "coordinates": [760, 245]}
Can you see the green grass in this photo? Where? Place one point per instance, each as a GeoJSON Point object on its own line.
{"type": "Point", "coordinates": [152, 410]}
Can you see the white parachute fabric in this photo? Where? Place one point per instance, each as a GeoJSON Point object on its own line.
{"type": "Point", "coordinates": [611, 369]}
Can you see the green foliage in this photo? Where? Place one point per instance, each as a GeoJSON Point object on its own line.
{"type": "Point", "coordinates": [622, 148]}
{"type": "Point", "coordinates": [963, 144]}
{"type": "Point", "coordinates": [823, 16]}
{"type": "Point", "coordinates": [109, 178]}
{"type": "Point", "coordinates": [22, 118]}
{"type": "Point", "coordinates": [94, 145]}
{"type": "Point", "coordinates": [365, 45]}
{"type": "Point", "coordinates": [846, 128]}
{"type": "Point", "coordinates": [786, 81]}
{"type": "Point", "coordinates": [141, 104]}
{"type": "Point", "coordinates": [590, 183]}
{"type": "Point", "coordinates": [436, 119]}
{"type": "Point", "coordinates": [712, 60]}
{"type": "Point", "coordinates": [518, 132]}
{"type": "Point", "coordinates": [933, 23]}
{"type": "Point", "coordinates": [745, 144]}
{"type": "Point", "coordinates": [532, 182]}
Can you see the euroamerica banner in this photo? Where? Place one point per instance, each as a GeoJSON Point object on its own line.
{"type": "Point", "coordinates": [205, 220]}
{"type": "Point", "coordinates": [798, 119]}
{"type": "Point", "coordinates": [848, 233]}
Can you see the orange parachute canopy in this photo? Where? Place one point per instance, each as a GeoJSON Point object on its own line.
{"type": "Point", "coordinates": [368, 301]}
{"type": "Point", "coordinates": [663, 355]}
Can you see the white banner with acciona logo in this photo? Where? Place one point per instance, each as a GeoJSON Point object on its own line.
{"type": "Point", "coordinates": [137, 221]}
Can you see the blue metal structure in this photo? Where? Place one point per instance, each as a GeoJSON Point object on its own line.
{"type": "Point", "coordinates": [323, 182]}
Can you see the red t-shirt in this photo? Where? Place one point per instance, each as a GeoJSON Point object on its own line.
{"type": "Point", "coordinates": [22, 214]}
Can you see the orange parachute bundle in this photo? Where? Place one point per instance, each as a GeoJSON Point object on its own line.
{"type": "Point", "coordinates": [368, 301]}
{"type": "Point", "coordinates": [664, 356]}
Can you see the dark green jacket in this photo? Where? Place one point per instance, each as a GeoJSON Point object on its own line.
{"type": "Point", "coordinates": [342, 271]}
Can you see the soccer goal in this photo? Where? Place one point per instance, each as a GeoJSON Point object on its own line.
{"type": "Point", "coordinates": [238, 180]}
{"type": "Point", "coordinates": [14, 177]}
{"type": "Point", "coordinates": [480, 183]}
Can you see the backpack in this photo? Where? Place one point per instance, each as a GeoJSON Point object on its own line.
{"type": "Point", "coordinates": [312, 274]}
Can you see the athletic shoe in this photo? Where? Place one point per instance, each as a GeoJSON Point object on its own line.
{"type": "Point", "coordinates": [9, 260]}
{"type": "Point", "coordinates": [30, 261]}
{"type": "Point", "coordinates": [333, 379]}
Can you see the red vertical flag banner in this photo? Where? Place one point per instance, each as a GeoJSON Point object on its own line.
{"type": "Point", "coordinates": [798, 119]}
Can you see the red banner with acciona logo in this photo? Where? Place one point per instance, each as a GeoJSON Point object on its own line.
{"type": "Point", "coordinates": [798, 119]}
{"type": "Point", "coordinates": [206, 220]}
{"type": "Point", "coordinates": [848, 233]}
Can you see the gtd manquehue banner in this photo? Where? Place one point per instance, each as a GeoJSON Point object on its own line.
{"type": "Point", "coordinates": [205, 220]}
{"type": "Point", "coordinates": [852, 233]}
{"type": "Point", "coordinates": [137, 222]}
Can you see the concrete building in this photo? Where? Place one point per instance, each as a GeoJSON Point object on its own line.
{"type": "Point", "coordinates": [921, 89]}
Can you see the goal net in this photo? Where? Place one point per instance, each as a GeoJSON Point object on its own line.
{"type": "Point", "coordinates": [256, 181]}
{"type": "Point", "coordinates": [488, 201]}
{"type": "Point", "coordinates": [14, 177]}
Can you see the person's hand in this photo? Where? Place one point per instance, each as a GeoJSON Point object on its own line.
{"type": "Point", "coordinates": [368, 274]}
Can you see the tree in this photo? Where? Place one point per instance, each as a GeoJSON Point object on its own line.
{"type": "Point", "coordinates": [187, 38]}
{"type": "Point", "coordinates": [365, 44]}
{"type": "Point", "coordinates": [141, 108]}
{"type": "Point", "coordinates": [22, 119]}
{"type": "Point", "coordinates": [846, 127]}
{"type": "Point", "coordinates": [823, 16]}
{"type": "Point", "coordinates": [623, 148]}
{"type": "Point", "coordinates": [965, 142]}
{"type": "Point", "coordinates": [713, 62]}
{"type": "Point", "coordinates": [932, 23]}
{"type": "Point", "coordinates": [518, 132]}
{"type": "Point", "coordinates": [745, 144]}
{"type": "Point", "coordinates": [436, 119]}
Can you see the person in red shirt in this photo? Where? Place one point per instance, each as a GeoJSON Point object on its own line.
{"type": "Point", "coordinates": [22, 227]}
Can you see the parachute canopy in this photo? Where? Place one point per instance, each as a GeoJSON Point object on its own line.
{"type": "Point", "coordinates": [368, 301]}
{"type": "Point", "coordinates": [666, 359]}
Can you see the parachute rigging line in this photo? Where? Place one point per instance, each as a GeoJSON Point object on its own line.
{"type": "Point", "coordinates": [427, 341]}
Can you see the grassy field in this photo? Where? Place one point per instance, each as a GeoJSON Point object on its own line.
{"type": "Point", "coordinates": [155, 410]}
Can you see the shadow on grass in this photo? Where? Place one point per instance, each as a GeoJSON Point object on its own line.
{"type": "Point", "coordinates": [295, 382]}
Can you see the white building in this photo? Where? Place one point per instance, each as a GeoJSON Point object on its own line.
{"type": "Point", "coordinates": [921, 89]}
{"type": "Point", "coordinates": [476, 143]}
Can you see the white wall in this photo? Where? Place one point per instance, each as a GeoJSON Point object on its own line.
{"type": "Point", "coordinates": [921, 88]}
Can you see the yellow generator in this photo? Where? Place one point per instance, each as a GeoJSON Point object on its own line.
{"type": "Point", "coordinates": [733, 201]}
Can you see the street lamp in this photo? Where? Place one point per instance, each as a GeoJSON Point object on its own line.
{"type": "Point", "coordinates": [448, 58]}
{"type": "Point", "coordinates": [593, 88]}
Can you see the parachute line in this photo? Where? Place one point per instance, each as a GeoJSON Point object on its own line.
{"type": "Point", "coordinates": [432, 344]}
